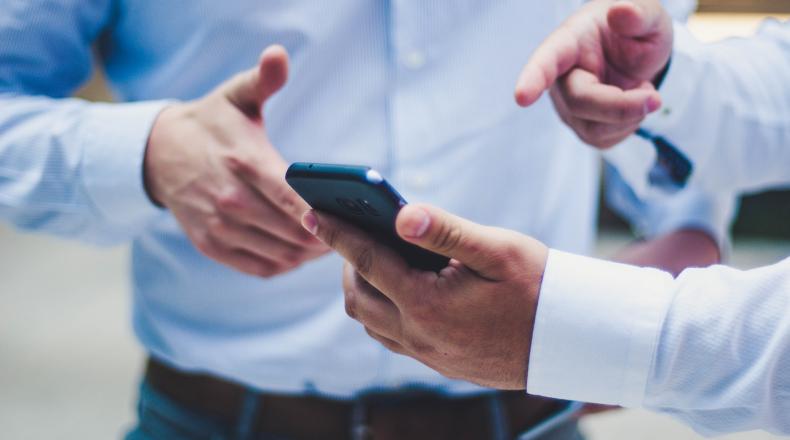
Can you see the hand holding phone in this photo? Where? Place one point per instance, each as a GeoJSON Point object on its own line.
{"type": "Point", "coordinates": [362, 197]}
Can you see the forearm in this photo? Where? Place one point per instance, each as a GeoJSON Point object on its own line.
{"type": "Point", "coordinates": [673, 252]}
{"type": "Point", "coordinates": [686, 229]}
{"type": "Point", "coordinates": [67, 166]}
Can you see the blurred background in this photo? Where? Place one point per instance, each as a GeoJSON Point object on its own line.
{"type": "Point", "coordinates": [69, 364]}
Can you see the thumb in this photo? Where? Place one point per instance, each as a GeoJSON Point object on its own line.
{"type": "Point", "coordinates": [474, 245]}
{"type": "Point", "coordinates": [250, 89]}
{"type": "Point", "coordinates": [637, 18]}
{"type": "Point", "coordinates": [645, 43]}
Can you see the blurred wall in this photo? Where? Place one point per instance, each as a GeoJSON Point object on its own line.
{"type": "Point", "coordinates": [780, 6]}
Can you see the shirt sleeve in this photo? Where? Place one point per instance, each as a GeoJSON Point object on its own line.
{"type": "Point", "coordinates": [711, 347]}
{"type": "Point", "coordinates": [727, 106]}
{"type": "Point", "coordinates": [680, 10]}
{"type": "Point", "coordinates": [596, 329]}
{"type": "Point", "coordinates": [67, 167]}
{"type": "Point", "coordinates": [659, 213]}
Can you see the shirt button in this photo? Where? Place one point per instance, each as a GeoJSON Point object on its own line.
{"type": "Point", "coordinates": [420, 181]}
{"type": "Point", "coordinates": [414, 59]}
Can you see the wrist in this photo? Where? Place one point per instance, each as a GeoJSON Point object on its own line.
{"type": "Point", "coordinates": [158, 140]}
{"type": "Point", "coordinates": [538, 255]}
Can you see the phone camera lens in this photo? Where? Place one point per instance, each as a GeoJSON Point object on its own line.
{"type": "Point", "coordinates": [368, 207]}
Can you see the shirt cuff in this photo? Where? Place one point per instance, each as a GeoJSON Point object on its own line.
{"type": "Point", "coordinates": [596, 330]}
{"type": "Point", "coordinates": [115, 137]}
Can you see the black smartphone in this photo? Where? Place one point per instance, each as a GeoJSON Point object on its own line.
{"type": "Point", "coordinates": [362, 197]}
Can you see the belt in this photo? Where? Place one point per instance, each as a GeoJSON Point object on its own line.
{"type": "Point", "coordinates": [377, 416]}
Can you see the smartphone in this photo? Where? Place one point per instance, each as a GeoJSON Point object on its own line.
{"type": "Point", "coordinates": [360, 196]}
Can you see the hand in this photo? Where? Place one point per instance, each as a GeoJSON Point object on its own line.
{"type": "Point", "coordinates": [600, 66]}
{"type": "Point", "coordinates": [673, 252]}
{"type": "Point", "coordinates": [473, 320]}
{"type": "Point", "coordinates": [210, 162]}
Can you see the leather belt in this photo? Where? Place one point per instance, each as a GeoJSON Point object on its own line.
{"type": "Point", "coordinates": [379, 416]}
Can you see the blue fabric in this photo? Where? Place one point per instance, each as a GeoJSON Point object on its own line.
{"type": "Point", "coordinates": [160, 418]}
{"type": "Point", "coordinates": [419, 90]}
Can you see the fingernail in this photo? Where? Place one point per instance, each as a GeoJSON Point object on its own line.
{"type": "Point", "coordinates": [652, 104]}
{"type": "Point", "coordinates": [310, 222]}
{"type": "Point", "coordinates": [416, 223]}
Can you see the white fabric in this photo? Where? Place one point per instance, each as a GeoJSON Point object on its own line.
{"type": "Point", "coordinates": [727, 106]}
{"type": "Point", "coordinates": [421, 91]}
{"type": "Point", "coordinates": [713, 346]}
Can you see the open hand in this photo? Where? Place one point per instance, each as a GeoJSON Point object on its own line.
{"type": "Point", "coordinates": [210, 162]}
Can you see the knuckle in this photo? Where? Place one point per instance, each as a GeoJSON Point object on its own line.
{"type": "Point", "coordinates": [330, 236]}
{"type": "Point", "coordinates": [245, 167]}
{"type": "Point", "coordinates": [584, 137]}
{"type": "Point", "coordinates": [387, 343]}
{"type": "Point", "coordinates": [231, 200]}
{"type": "Point", "coordinates": [418, 346]}
{"type": "Point", "coordinates": [305, 239]}
{"type": "Point", "coordinates": [511, 252]}
{"type": "Point", "coordinates": [598, 130]}
{"type": "Point", "coordinates": [566, 118]}
{"type": "Point", "coordinates": [349, 281]}
{"type": "Point", "coordinates": [605, 145]}
{"type": "Point", "coordinates": [266, 270]}
{"type": "Point", "coordinates": [293, 257]}
{"type": "Point", "coordinates": [424, 308]}
{"type": "Point", "coordinates": [351, 305]}
{"type": "Point", "coordinates": [624, 112]}
{"type": "Point", "coordinates": [364, 261]}
{"type": "Point", "coordinates": [215, 226]}
{"type": "Point", "coordinates": [572, 97]}
{"type": "Point", "coordinates": [205, 245]}
{"type": "Point", "coordinates": [586, 133]}
{"type": "Point", "coordinates": [448, 237]}
{"type": "Point", "coordinates": [233, 163]}
{"type": "Point", "coordinates": [284, 198]}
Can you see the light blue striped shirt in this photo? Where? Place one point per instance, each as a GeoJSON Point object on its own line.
{"type": "Point", "coordinates": [422, 91]}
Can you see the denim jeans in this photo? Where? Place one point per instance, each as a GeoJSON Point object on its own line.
{"type": "Point", "coordinates": [159, 418]}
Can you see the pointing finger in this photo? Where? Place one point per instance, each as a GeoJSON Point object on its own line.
{"type": "Point", "coordinates": [552, 59]}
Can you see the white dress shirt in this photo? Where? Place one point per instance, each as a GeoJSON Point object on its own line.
{"type": "Point", "coordinates": [727, 106]}
{"type": "Point", "coordinates": [422, 91]}
{"type": "Point", "coordinates": [711, 347]}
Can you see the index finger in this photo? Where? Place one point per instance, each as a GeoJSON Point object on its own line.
{"type": "Point", "coordinates": [378, 264]}
{"type": "Point", "coordinates": [558, 53]}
